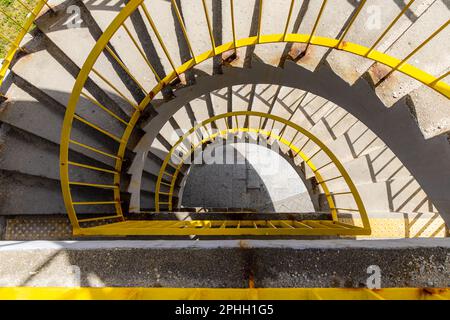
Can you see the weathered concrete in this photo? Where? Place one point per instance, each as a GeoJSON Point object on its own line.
{"type": "Point", "coordinates": [395, 127]}
{"type": "Point", "coordinates": [321, 263]}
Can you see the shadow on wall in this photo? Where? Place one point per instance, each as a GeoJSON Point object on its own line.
{"type": "Point", "coordinates": [245, 176]}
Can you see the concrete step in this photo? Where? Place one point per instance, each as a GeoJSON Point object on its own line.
{"type": "Point", "coordinates": [184, 119]}
{"type": "Point", "coordinates": [397, 225]}
{"type": "Point", "coordinates": [430, 109]}
{"type": "Point", "coordinates": [245, 22]}
{"type": "Point", "coordinates": [19, 191]}
{"type": "Point", "coordinates": [23, 194]}
{"type": "Point", "coordinates": [309, 148]}
{"type": "Point", "coordinates": [373, 19]}
{"type": "Point", "coordinates": [32, 155]}
{"type": "Point", "coordinates": [148, 184]}
{"type": "Point", "coordinates": [30, 110]}
{"type": "Point", "coordinates": [428, 58]}
{"type": "Point", "coordinates": [140, 29]}
{"type": "Point", "coordinates": [170, 133]}
{"type": "Point", "coordinates": [273, 22]}
{"type": "Point", "coordinates": [197, 29]}
{"type": "Point", "coordinates": [152, 164]}
{"type": "Point", "coordinates": [330, 25]}
{"type": "Point", "coordinates": [200, 110]}
{"type": "Point", "coordinates": [62, 28]}
{"type": "Point", "coordinates": [296, 203]}
{"type": "Point", "coordinates": [242, 97]}
{"type": "Point", "coordinates": [18, 109]}
{"type": "Point", "coordinates": [103, 15]}
{"type": "Point", "coordinates": [159, 149]}
{"type": "Point", "coordinates": [397, 195]}
{"type": "Point", "coordinates": [376, 166]}
{"type": "Point", "coordinates": [356, 142]}
{"type": "Point", "coordinates": [146, 201]}
{"type": "Point", "coordinates": [264, 100]}
{"type": "Point", "coordinates": [221, 101]}
{"type": "Point", "coordinates": [57, 27]}
{"type": "Point", "coordinates": [58, 84]}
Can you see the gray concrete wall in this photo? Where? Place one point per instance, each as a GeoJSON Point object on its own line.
{"type": "Point", "coordinates": [320, 263]}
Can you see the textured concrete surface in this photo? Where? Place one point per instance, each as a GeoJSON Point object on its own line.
{"type": "Point", "coordinates": [245, 176]}
{"type": "Point", "coordinates": [431, 111]}
{"type": "Point", "coordinates": [321, 263]}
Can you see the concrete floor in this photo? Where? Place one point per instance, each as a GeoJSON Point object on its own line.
{"type": "Point", "coordinates": [245, 175]}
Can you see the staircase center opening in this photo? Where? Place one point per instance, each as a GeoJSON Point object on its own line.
{"type": "Point", "coordinates": [245, 176]}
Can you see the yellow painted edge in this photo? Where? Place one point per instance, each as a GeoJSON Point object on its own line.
{"type": "Point", "coordinates": [204, 227]}
{"type": "Point", "coordinates": [121, 293]}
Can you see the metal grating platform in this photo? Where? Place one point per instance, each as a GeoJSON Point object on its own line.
{"type": "Point", "coordinates": [224, 227]}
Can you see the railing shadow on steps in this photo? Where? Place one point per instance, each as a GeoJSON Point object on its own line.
{"type": "Point", "coordinates": [62, 107]}
{"type": "Point", "coordinates": [24, 27]}
{"type": "Point", "coordinates": [314, 40]}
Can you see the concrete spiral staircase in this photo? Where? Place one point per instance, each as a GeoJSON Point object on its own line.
{"type": "Point", "coordinates": [391, 138]}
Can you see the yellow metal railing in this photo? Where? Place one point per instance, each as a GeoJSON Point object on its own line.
{"type": "Point", "coordinates": [121, 21]}
{"type": "Point", "coordinates": [297, 145]}
{"type": "Point", "coordinates": [118, 293]}
{"type": "Point", "coordinates": [14, 40]}
{"type": "Point", "coordinates": [299, 141]}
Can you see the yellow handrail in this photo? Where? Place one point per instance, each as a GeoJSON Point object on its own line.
{"type": "Point", "coordinates": [24, 28]}
{"type": "Point", "coordinates": [434, 82]}
{"type": "Point", "coordinates": [298, 151]}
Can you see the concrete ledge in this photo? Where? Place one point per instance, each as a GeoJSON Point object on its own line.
{"type": "Point", "coordinates": [218, 244]}
{"type": "Point", "coordinates": [218, 264]}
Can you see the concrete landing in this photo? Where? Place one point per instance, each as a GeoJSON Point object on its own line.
{"type": "Point", "coordinates": [233, 263]}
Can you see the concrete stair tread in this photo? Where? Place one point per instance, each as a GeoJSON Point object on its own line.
{"type": "Point", "coordinates": [19, 111]}
{"type": "Point", "coordinates": [376, 166]}
{"type": "Point", "coordinates": [402, 194]}
{"type": "Point", "coordinates": [399, 85]}
{"type": "Point", "coordinates": [32, 155]}
{"type": "Point", "coordinates": [351, 67]}
{"type": "Point", "coordinates": [45, 194]}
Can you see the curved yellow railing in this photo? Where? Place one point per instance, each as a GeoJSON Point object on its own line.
{"type": "Point", "coordinates": [25, 26]}
{"type": "Point", "coordinates": [292, 144]}
{"type": "Point", "coordinates": [102, 44]}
